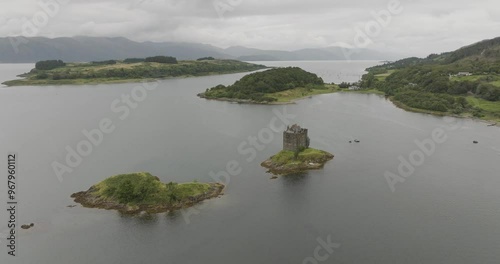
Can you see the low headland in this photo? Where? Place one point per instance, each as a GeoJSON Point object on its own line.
{"type": "Point", "coordinates": [142, 192]}
{"type": "Point", "coordinates": [274, 86]}
{"type": "Point", "coordinates": [289, 162]}
{"type": "Point", "coordinates": [56, 72]}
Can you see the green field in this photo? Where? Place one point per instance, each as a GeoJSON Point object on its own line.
{"type": "Point", "coordinates": [489, 106]}
{"type": "Point", "coordinates": [496, 83]}
{"type": "Point", "coordinates": [298, 93]}
{"type": "Point", "coordinates": [383, 76]}
{"type": "Point", "coordinates": [468, 78]}
{"type": "Point", "coordinates": [491, 110]}
{"type": "Point", "coordinates": [473, 78]}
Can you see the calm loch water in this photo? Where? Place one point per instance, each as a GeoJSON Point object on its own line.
{"type": "Point", "coordinates": [447, 210]}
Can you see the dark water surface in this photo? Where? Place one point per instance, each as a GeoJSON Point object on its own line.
{"type": "Point", "coordinates": [446, 211]}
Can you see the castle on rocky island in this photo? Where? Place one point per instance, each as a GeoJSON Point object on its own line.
{"type": "Point", "coordinates": [295, 138]}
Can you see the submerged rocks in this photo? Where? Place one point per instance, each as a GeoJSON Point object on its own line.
{"type": "Point", "coordinates": [27, 226]}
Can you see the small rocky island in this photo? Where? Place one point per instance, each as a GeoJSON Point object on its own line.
{"type": "Point", "coordinates": [142, 192]}
{"type": "Point", "coordinates": [296, 155]}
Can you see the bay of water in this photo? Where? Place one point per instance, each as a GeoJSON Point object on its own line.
{"type": "Point", "coordinates": [446, 211]}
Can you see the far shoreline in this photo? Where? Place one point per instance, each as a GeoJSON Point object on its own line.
{"type": "Point", "coordinates": [346, 91]}
{"type": "Point", "coordinates": [57, 72]}
{"type": "Point", "coordinates": [400, 105]}
{"type": "Point", "coordinates": [244, 101]}
{"type": "Point", "coordinates": [82, 82]}
{"type": "Point", "coordinates": [282, 98]}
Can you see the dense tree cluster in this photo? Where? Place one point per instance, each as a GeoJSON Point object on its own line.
{"type": "Point", "coordinates": [488, 92]}
{"type": "Point", "coordinates": [141, 190]}
{"type": "Point", "coordinates": [344, 85]}
{"type": "Point", "coordinates": [133, 190]}
{"type": "Point", "coordinates": [133, 60]}
{"type": "Point", "coordinates": [435, 80]}
{"type": "Point", "coordinates": [255, 86]}
{"type": "Point", "coordinates": [162, 59]}
{"type": "Point", "coordinates": [206, 58]}
{"type": "Point", "coordinates": [432, 101]}
{"type": "Point", "coordinates": [49, 64]}
{"type": "Point", "coordinates": [106, 62]}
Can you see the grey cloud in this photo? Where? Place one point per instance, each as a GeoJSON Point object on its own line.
{"type": "Point", "coordinates": [423, 27]}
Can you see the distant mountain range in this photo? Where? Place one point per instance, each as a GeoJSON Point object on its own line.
{"type": "Point", "coordinates": [82, 49]}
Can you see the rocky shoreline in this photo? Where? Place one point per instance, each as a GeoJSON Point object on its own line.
{"type": "Point", "coordinates": [490, 122]}
{"type": "Point", "coordinates": [89, 199]}
{"type": "Point", "coordinates": [243, 101]}
{"type": "Point", "coordinates": [296, 167]}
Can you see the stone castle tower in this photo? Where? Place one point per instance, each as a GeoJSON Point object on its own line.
{"type": "Point", "coordinates": [295, 138]}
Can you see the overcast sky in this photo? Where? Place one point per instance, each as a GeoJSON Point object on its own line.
{"type": "Point", "coordinates": [418, 27]}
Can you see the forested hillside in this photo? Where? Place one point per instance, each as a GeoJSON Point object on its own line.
{"type": "Point", "coordinates": [454, 82]}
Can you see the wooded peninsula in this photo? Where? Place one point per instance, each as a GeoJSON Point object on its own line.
{"type": "Point", "coordinates": [465, 82]}
{"type": "Point", "coordinates": [57, 72]}
{"type": "Point", "coordinates": [274, 86]}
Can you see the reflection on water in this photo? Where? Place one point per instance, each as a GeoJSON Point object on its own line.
{"type": "Point", "coordinates": [141, 218]}
{"type": "Point", "coordinates": [180, 137]}
{"type": "Point", "coordinates": [295, 178]}
{"type": "Point", "coordinates": [174, 216]}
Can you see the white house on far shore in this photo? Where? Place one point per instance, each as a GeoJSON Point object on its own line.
{"type": "Point", "coordinates": [354, 88]}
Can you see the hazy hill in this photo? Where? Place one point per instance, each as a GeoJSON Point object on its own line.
{"type": "Point", "coordinates": [256, 54]}
{"type": "Point", "coordinates": [79, 49]}
{"type": "Point", "coordinates": [96, 48]}
{"type": "Point", "coordinates": [329, 53]}
{"type": "Point", "coordinates": [483, 56]}
{"type": "Point", "coordinates": [486, 50]}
